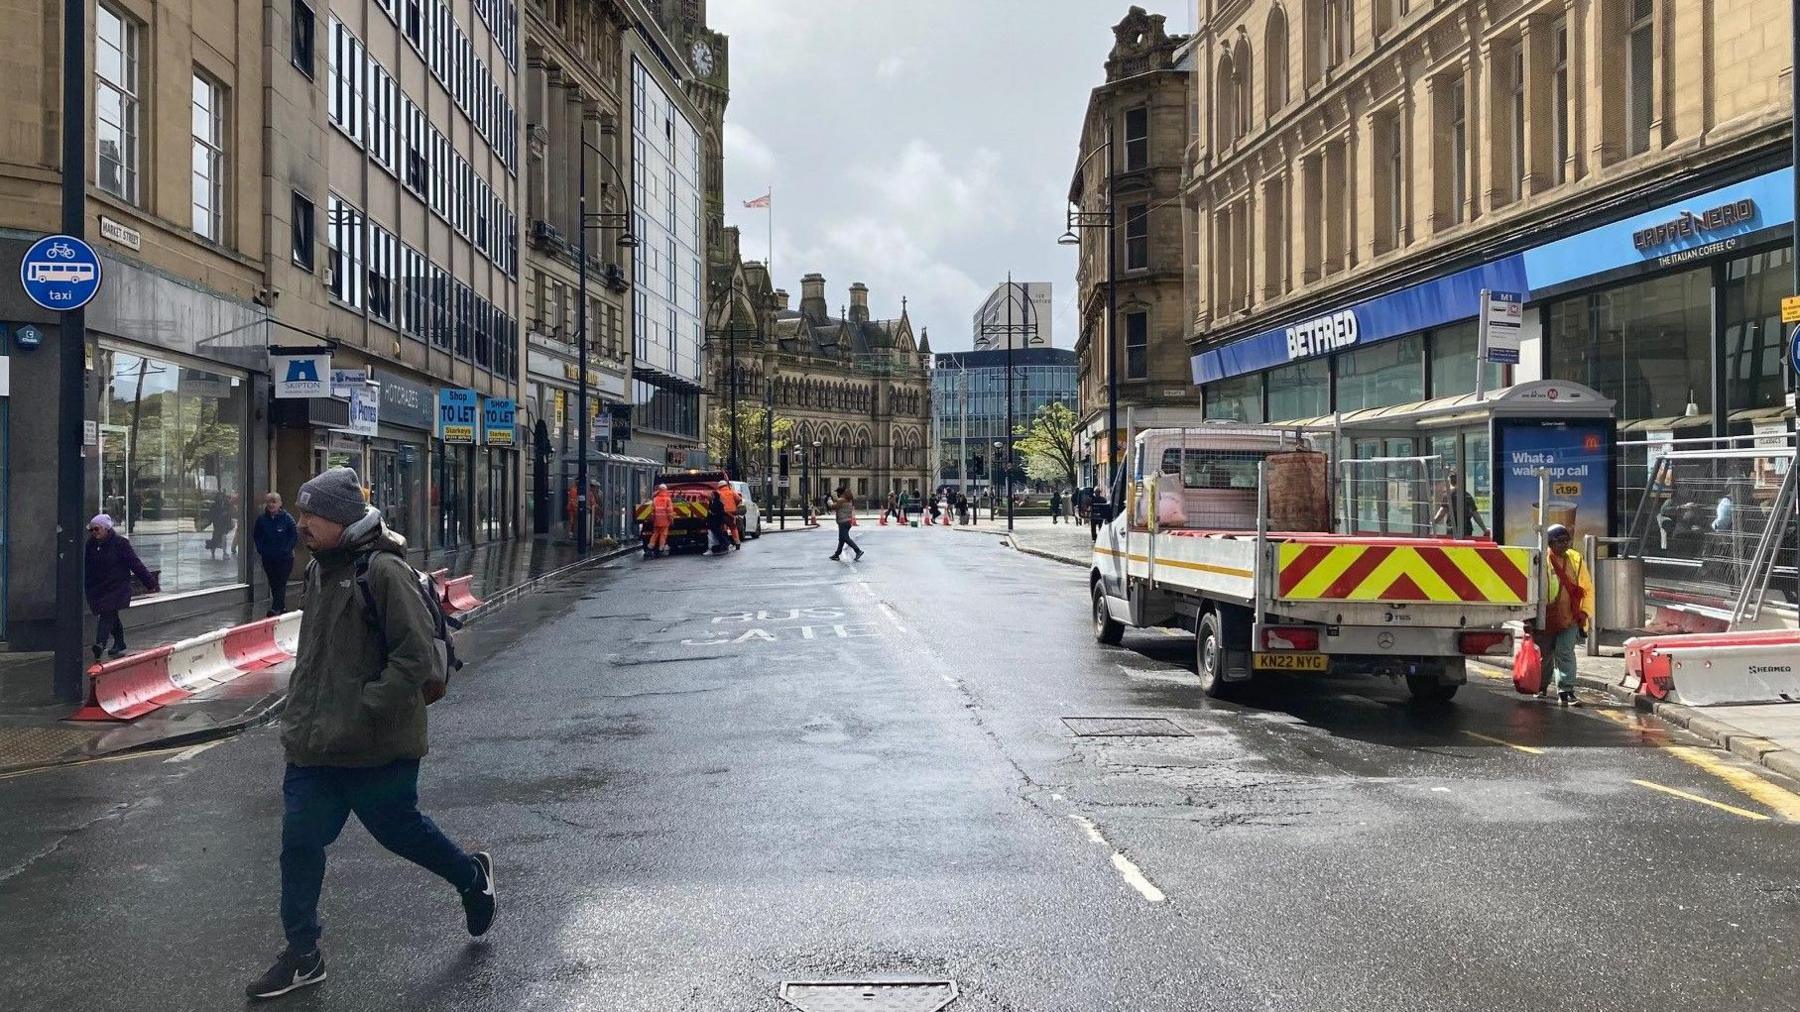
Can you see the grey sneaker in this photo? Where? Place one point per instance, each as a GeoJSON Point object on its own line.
{"type": "Point", "coordinates": [289, 973]}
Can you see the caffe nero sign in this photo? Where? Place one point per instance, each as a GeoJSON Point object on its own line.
{"type": "Point", "coordinates": [1690, 224]}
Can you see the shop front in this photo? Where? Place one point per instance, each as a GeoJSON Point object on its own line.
{"type": "Point", "coordinates": [1674, 314]}
{"type": "Point", "coordinates": [399, 455]}
{"type": "Point", "coordinates": [497, 503]}
{"type": "Point", "coordinates": [550, 432]}
{"type": "Point", "coordinates": [458, 423]}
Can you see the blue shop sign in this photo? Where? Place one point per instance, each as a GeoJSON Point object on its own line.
{"type": "Point", "coordinates": [457, 413]}
{"type": "Point", "coordinates": [1407, 311]}
{"type": "Point", "coordinates": [1698, 227]}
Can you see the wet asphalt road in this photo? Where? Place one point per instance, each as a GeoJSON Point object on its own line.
{"type": "Point", "coordinates": [701, 777]}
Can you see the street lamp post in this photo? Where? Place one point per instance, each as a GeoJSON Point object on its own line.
{"type": "Point", "coordinates": [994, 481]}
{"type": "Point", "coordinates": [818, 471]}
{"type": "Point", "coordinates": [1080, 221]}
{"type": "Point", "coordinates": [584, 429]}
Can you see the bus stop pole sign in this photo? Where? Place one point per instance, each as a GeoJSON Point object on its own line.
{"type": "Point", "coordinates": [60, 273]}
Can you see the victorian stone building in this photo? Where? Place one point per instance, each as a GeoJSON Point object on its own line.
{"type": "Point", "coordinates": [1132, 146]}
{"type": "Point", "coordinates": [1363, 170]}
{"type": "Point", "coordinates": [856, 390]}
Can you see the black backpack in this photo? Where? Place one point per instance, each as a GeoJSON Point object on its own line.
{"type": "Point", "coordinates": [443, 626]}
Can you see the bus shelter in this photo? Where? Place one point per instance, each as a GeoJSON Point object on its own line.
{"type": "Point", "coordinates": [1476, 462]}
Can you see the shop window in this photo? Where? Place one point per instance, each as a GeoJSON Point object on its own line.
{"type": "Point", "coordinates": [1754, 338]}
{"type": "Point", "coordinates": [171, 468]}
{"type": "Point", "coordinates": [1301, 390]}
{"type": "Point", "coordinates": [1391, 372]}
{"type": "Point", "coordinates": [1644, 345]}
{"type": "Point", "coordinates": [1453, 354]}
{"type": "Point", "coordinates": [1238, 399]}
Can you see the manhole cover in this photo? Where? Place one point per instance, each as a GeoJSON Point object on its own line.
{"type": "Point", "coordinates": [1125, 727]}
{"type": "Point", "coordinates": [869, 995]}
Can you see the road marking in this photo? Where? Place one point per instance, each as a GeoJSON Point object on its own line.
{"type": "Point", "coordinates": [1527, 749]}
{"type": "Point", "coordinates": [1697, 799]}
{"type": "Point", "coordinates": [188, 753]}
{"type": "Point", "coordinates": [1778, 799]}
{"type": "Point", "coordinates": [1129, 871]}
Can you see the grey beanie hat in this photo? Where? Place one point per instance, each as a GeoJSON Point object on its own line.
{"type": "Point", "coordinates": [335, 495]}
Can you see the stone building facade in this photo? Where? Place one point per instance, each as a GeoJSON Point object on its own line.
{"type": "Point", "coordinates": [1143, 108]}
{"type": "Point", "coordinates": [857, 386]}
{"type": "Point", "coordinates": [1361, 170]}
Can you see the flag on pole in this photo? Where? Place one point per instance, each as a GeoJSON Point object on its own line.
{"type": "Point", "coordinates": [762, 201]}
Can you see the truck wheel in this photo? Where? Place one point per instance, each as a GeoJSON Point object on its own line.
{"type": "Point", "coordinates": [1427, 688]}
{"type": "Point", "coordinates": [1108, 631]}
{"type": "Point", "coordinates": [1209, 655]}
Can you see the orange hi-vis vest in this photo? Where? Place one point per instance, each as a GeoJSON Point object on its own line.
{"type": "Point", "coordinates": [729, 497]}
{"type": "Point", "coordinates": [662, 509]}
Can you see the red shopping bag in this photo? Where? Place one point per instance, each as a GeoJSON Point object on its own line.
{"type": "Point", "coordinates": [1528, 666]}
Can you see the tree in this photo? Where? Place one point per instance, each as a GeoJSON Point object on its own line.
{"type": "Point", "coordinates": [1047, 444]}
{"type": "Point", "coordinates": [753, 436]}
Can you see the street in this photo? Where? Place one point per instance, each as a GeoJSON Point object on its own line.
{"type": "Point", "coordinates": [700, 777]}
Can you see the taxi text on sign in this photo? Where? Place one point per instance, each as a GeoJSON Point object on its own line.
{"type": "Point", "coordinates": [458, 413]}
{"type": "Point", "coordinates": [60, 272]}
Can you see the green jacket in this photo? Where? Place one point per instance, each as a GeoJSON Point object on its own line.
{"type": "Point", "coordinates": [345, 706]}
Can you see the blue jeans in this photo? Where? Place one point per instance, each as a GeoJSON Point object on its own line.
{"type": "Point", "coordinates": [1562, 658]}
{"type": "Point", "coordinates": [317, 800]}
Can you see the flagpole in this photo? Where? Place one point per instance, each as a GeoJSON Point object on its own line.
{"type": "Point", "coordinates": [771, 222]}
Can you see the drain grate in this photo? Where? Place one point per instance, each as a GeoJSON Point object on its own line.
{"type": "Point", "coordinates": [1125, 727]}
{"type": "Point", "coordinates": [869, 995]}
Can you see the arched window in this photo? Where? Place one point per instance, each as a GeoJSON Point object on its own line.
{"type": "Point", "coordinates": [1240, 65]}
{"type": "Point", "coordinates": [1225, 103]}
{"type": "Point", "coordinates": [1275, 63]}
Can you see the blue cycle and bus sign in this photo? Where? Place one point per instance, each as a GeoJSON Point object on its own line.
{"type": "Point", "coordinates": [60, 272]}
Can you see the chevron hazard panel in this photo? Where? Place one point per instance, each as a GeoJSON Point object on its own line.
{"type": "Point", "coordinates": [1444, 574]}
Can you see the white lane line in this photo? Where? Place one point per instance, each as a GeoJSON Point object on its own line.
{"type": "Point", "coordinates": [887, 610]}
{"type": "Point", "coordinates": [188, 753]}
{"type": "Point", "coordinates": [1129, 871]}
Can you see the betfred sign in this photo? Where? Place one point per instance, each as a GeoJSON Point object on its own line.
{"type": "Point", "coordinates": [1321, 335]}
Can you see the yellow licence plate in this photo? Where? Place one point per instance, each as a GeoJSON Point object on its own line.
{"type": "Point", "coordinates": [1290, 662]}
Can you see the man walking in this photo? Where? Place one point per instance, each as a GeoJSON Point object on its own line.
{"type": "Point", "coordinates": [1056, 504]}
{"type": "Point", "coordinates": [275, 536]}
{"type": "Point", "coordinates": [354, 729]}
{"type": "Point", "coordinates": [1098, 512]}
{"type": "Point", "coordinates": [845, 507]}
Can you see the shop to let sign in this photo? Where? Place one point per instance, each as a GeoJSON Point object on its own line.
{"type": "Point", "coordinates": [498, 421]}
{"type": "Point", "coordinates": [457, 413]}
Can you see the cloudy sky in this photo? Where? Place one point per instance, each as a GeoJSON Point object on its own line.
{"type": "Point", "coordinates": [922, 147]}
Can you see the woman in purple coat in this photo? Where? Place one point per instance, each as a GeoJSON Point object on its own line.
{"type": "Point", "coordinates": [111, 564]}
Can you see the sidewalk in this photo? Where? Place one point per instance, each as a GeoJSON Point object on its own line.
{"type": "Point", "coordinates": [1768, 734]}
{"type": "Point", "coordinates": [33, 733]}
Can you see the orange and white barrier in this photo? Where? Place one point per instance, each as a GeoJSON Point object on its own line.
{"type": "Point", "coordinates": [457, 595]}
{"type": "Point", "coordinates": [132, 686]}
{"type": "Point", "coordinates": [1712, 669]}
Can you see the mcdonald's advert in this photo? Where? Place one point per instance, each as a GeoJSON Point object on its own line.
{"type": "Point", "coordinates": [1576, 457]}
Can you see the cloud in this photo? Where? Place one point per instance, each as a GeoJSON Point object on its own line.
{"type": "Point", "coordinates": [921, 186]}
{"type": "Point", "coordinates": [893, 65]}
{"type": "Point", "coordinates": [748, 157]}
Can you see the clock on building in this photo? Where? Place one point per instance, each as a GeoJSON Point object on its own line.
{"type": "Point", "coordinates": [703, 58]}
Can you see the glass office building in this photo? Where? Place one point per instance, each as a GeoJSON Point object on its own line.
{"type": "Point", "coordinates": [969, 400]}
{"type": "Point", "coordinates": [669, 303]}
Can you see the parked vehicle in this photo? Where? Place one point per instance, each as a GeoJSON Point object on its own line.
{"type": "Point", "coordinates": [1226, 531]}
{"type": "Point", "coordinates": [749, 514]}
